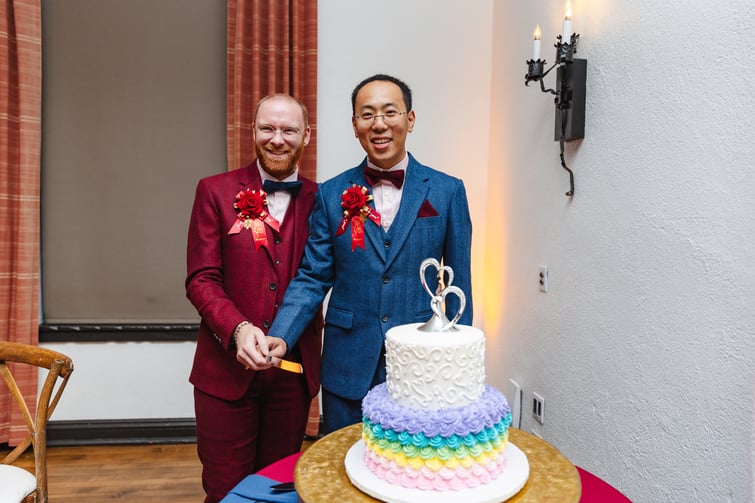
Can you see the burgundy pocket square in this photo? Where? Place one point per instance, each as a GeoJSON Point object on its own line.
{"type": "Point", "coordinates": [427, 210]}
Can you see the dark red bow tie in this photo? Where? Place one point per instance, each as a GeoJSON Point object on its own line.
{"type": "Point", "coordinates": [373, 176]}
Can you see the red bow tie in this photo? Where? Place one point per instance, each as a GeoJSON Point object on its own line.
{"type": "Point", "coordinates": [373, 176]}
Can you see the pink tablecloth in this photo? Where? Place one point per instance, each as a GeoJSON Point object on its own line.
{"type": "Point", "coordinates": [282, 470]}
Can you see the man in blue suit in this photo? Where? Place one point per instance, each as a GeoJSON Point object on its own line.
{"type": "Point", "coordinates": [370, 229]}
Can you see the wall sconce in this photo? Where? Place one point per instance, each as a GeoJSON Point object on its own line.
{"type": "Point", "coordinates": [571, 78]}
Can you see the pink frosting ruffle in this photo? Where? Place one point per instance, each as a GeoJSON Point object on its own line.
{"type": "Point", "coordinates": [428, 480]}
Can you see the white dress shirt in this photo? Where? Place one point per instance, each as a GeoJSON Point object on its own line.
{"type": "Point", "coordinates": [277, 202]}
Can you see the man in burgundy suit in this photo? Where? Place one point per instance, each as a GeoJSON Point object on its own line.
{"type": "Point", "coordinates": [246, 238]}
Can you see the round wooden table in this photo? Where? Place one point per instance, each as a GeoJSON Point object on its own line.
{"type": "Point", "coordinates": [320, 474]}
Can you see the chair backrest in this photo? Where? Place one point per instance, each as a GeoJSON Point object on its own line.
{"type": "Point", "coordinates": [59, 368]}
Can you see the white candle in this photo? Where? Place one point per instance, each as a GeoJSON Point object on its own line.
{"type": "Point", "coordinates": [536, 43]}
{"type": "Point", "coordinates": [566, 32]}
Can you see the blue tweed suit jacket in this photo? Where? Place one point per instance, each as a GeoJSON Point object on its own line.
{"type": "Point", "coordinates": [378, 287]}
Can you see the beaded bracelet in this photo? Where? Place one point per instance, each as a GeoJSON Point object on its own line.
{"type": "Point", "coordinates": [237, 330]}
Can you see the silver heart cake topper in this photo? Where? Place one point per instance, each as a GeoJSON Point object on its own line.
{"type": "Point", "coordinates": [439, 322]}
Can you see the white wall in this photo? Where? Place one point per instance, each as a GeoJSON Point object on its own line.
{"type": "Point", "coordinates": [127, 380]}
{"type": "Point", "coordinates": [643, 347]}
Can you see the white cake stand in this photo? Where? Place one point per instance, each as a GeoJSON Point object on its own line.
{"type": "Point", "coordinates": [512, 479]}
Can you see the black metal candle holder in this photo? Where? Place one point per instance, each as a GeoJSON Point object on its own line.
{"type": "Point", "coordinates": [571, 78]}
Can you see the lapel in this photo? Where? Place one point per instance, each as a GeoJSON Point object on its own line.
{"type": "Point", "coordinates": [374, 233]}
{"type": "Point", "coordinates": [416, 185]}
{"type": "Point", "coordinates": [302, 204]}
{"type": "Point", "coordinates": [249, 178]}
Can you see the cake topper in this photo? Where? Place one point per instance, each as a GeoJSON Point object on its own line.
{"type": "Point", "coordinates": [439, 322]}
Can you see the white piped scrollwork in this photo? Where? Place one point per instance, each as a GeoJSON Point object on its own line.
{"type": "Point", "coordinates": [441, 371]}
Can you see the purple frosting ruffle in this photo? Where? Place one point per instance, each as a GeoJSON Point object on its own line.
{"type": "Point", "coordinates": [379, 408]}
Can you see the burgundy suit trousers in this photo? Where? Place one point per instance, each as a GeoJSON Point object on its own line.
{"type": "Point", "coordinates": [237, 438]}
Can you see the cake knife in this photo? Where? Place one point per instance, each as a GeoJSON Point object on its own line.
{"type": "Point", "coordinates": [286, 365]}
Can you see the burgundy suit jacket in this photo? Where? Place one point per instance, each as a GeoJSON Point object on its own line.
{"type": "Point", "coordinates": [228, 281]}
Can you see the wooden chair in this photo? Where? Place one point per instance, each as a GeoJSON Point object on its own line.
{"type": "Point", "coordinates": [25, 486]}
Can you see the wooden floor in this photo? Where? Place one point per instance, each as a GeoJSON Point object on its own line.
{"type": "Point", "coordinates": [129, 474]}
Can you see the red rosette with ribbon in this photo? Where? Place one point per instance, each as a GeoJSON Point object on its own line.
{"type": "Point", "coordinates": [355, 210]}
{"type": "Point", "coordinates": [252, 215]}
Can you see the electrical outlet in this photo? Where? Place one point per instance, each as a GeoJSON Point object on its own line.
{"type": "Point", "coordinates": [538, 407]}
{"type": "Point", "coordinates": [515, 402]}
{"type": "Point", "coordinates": [543, 278]}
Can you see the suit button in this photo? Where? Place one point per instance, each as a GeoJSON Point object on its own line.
{"type": "Point", "coordinates": [277, 261]}
{"type": "Point", "coordinates": [266, 324]}
{"type": "Point", "coordinates": [384, 318]}
{"type": "Point", "coordinates": [277, 241]}
{"type": "Point", "coordinates": [273, 286]}
{"type": "Point", "coordinates": [385, 280]}
{"type": "Point", "coordinates": [387, 244]}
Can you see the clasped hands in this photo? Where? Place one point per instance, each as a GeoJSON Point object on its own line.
{"type": "Point", "coordinates": [257, 351]}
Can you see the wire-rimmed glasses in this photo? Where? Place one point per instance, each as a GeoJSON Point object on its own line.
{"type": "Point", "coordinates": [390, 117]}
{"type": "Point", "coordinates": [269, 131]}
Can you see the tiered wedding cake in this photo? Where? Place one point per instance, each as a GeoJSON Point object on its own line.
{"type": "Point", "coordinates": [434, 425]}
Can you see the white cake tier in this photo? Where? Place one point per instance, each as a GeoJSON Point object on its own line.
{"type": "Point", "coordinates": [434, 370]}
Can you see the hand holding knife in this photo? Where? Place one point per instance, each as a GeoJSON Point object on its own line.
{"type": "Point", "coordinates": [251, 353]}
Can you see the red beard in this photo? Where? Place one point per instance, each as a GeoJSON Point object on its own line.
{"type": "Point", "coordinates": [279, 167]}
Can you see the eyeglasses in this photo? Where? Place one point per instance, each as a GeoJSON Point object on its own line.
{"type": "Point", "coordinates": [270, 131]}
{"type": "Point", "coordinates": [390, 117]}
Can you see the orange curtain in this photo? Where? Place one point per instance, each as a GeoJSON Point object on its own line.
{"type": "Point", "coordinates": [272, 48]}
{"type": "Point", "coordinates": [20, 112]}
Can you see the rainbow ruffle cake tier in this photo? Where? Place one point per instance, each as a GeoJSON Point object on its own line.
{"type": "Point", "coordinates": [442, 450]}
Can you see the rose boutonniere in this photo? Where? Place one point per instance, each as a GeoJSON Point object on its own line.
{"type": "Point", "coordinates": [355, 210]}
{"type": "Point", "coordinates": [252, 215]}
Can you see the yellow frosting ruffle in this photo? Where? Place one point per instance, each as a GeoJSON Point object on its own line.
{"type": "Point", "coordinates": [488, 453]}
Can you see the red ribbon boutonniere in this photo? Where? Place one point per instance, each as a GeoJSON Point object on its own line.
{"type": "Point", "coordinates": [252, 215]}
{"type": "Point", "coordinates": [355, 210]}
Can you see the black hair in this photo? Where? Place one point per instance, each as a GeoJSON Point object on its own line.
{"type": "Point", "coordinates": [405, 91]}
